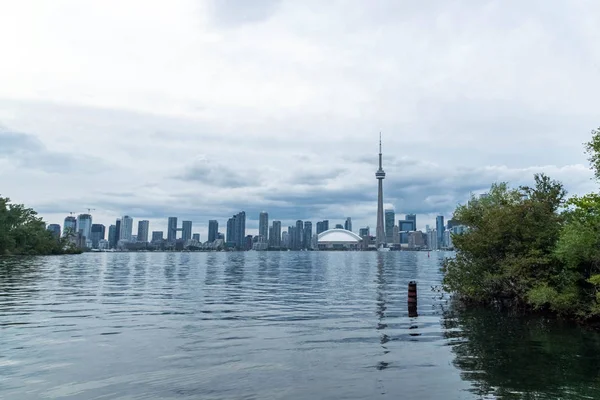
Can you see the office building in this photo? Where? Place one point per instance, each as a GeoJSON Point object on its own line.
{"type": "Point", "coordinates": [263, 226]}
{"type": "Point", "coordinates": [299, 235]}
{"type": "Point", "coordinates": [172, 229]}
{"type": "Point", "coordinates": [275, 235]}
{"type": "Point", "coordinates": [112, 235]}
{"type": "Point", "coordinates": [390, 217]}
{"type": "Point", "coordinates": [413, 218]}
{"type": "Point", "coordinates": [126, 228]}
{"type": "Point", "coordinates": [157, 236]}
{"type": "Point", "coordinates": [143, 231]}
{"type": "Point", "coordinates": [54, 229]}
{"type": "Point", "coordinates": [439, 227]}
{"type": "Point", "coordinates": [196, 237]}
{"type": "Point", "coordinates": [395, 235]}
{"type": "Point", "coordinates": [98, 234]}
{"type": "Point", "coordinates": [322, 226]}
{"type": "Point", "coordinates": [84, 225]}
{"type": "Point", "coordinates": [70, 225]}
{"type": "Point", "coordinates": [186, 230]}
{"type": "Point", "coordinates": [285, 240]}
{"type": "Point", "coordinates": [362, 232]}
{"type": "Point", "coordinates": [117, 232]}
{"type": "Point", "coordinates": [348, 224]}
{"type": "Point", "coordinates": [405, 225]}
{"type": "Point", "coordinates": [213, 230]}
{"type": "Point", "coordinates": [307, 235]}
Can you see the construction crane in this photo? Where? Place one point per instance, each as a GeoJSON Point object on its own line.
{"type": "Point", "coordinates": [90, 210]}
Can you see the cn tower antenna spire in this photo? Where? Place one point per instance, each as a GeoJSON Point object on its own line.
{"type": "Point", "coordinates": [380, 175]}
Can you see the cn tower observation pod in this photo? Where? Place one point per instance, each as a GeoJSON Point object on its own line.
{"type": "Point", "coordinates": [338, 239]}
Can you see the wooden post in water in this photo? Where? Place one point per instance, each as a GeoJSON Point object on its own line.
{"type": "Point", "coordinates": [412, 299]}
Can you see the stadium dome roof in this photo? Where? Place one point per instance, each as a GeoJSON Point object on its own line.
{"type": "Point", "coordinates": [338, 236]}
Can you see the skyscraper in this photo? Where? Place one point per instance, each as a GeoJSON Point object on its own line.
{"type": "Point", "coordinates": [117, 231]}
{"type": "Point", "coordinates": [213, 230]}
{"type": "Point", "coordinates": [172, 229]}
{"type": "Point", "coordinates": [405, 225]}
{"type": "Point", "coordinates": [439, 227]}
{"type": "Point", "coordinates": [275, 238]}
{"type": "Point", "coordinates": [299, 235]}
{"type": "Point", "coordinates": [142, 232]}
{"type": "Point", "coordinates": [70, 225]}
{"type": "Point", "coordinates": [126, 228]}
{"type": "Point", "coordinates": [112, 235]}
{"type": "Point", "coordinates": [240, 230]}
{"type": "Point", "coordinates": [186, 230]}
{"type": "Point", "coordinates": [322, 226]}
{"type": "Point", "coordinates": [390, 216]}
{"type": "Point", "coordinates": [196, 237]}
{"type": "Point", "coordinates": [229, 234]}
{"type": "Point", "coordinates": [84, 225]}
{"type": "Point", "coordinates": [348, 224]}
{"type": "Point", "coordinates": [54, 229]}
{"type": "Point", "coordinates": [413, 218]}
{"type": "Point", "coordinates": [98, 234]}
{"type": "Point", "coordinates": [307, 232]}
{"type": "Point", "coordinates": [263, 226]}
{"type": "Point", "coordinates": [380, 175]}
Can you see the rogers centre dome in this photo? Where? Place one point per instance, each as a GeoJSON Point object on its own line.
{"type": "Point", "coordinates": [338, 239]}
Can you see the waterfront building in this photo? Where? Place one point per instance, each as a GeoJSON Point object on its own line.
{"type": "Point", "coordinates": [186, 230]}
{"type": "Point", "coordinates": [112, 234]}
{"type": "Point", "coordinates": [322, 226]}
{"type": "Point", "coordinates": [413, 218]}
{"type": "Point", "coordinates": [236, 230]}
{"type": "Point", "coordinates": [406, 225]}
{"type": "Point", "coordinates": [348, 224]}
{"type": "Point", "coordinates": [307, 235]}
{"type": "Point", "coordinates": [263, 226]}
{"type": "Point", "coordinates": [275, 235]}
{"type": "Point", "coordinates": [84, 225]}
{"type": "Point", "coordinates": [98, 234]}
{"type": "Point", "coordinates": [380, 176]}
{"type": "Point", "coordinates": [390, 217]}
{"type": "Point", "coordinates": [143, 229]}
{"type": "Point", "coordinates": [338, 239]}
{"type": "Point", "coordinates": [157, 236]}
{"type": "Point", "coordinates": [213, 230]}
{"type": "Point", "coordinates": [439, 227]}
{"type": "Point", "coordinates": [196, 237]}
{"type": "Point", "coordinates": [126, 228]}
{"type": "Point", "coordinates": [54, 229]}
{"type": "Point", "coordinates": [117, 233]}
{"type": "Point", "coordinates": [299, 235]}
{"type": "Point", "coordinates": [396, 235]}
{"type": "Point", "coordinates": [172, 229]}
{"type": "Point", "coordinates": [70, 225]}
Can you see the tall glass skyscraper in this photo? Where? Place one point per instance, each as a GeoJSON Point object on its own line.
{"type": "Point", "coordinates": [263, 226]}
{"type": "Point", "coordinates": [84, 225]}
{"type": "Point", "coordinates": [70, 224]}
{"type": "Point", "coordinates": [98, 234]}
{"type": "Point", "coordinates": [172, 229]}
{"type": "Point", "coordinates": [413, 218]}
{"type": "Point", "coordinates": [439, 227]}
{"type": "Point", "coordinates": [186, 230]}
{"type": "Point", "coordinates": [213, 230]}
{"type": "Point", "coordinates": [348, 224]}
{"type": "Point", "coordinates": [390, 217]}
{"type": "Point", "coordinates": [307, 232]}
{"type": "Point", "coordinates": [142, 232]}
{"type": "Point", "coordinates": [126, 228]}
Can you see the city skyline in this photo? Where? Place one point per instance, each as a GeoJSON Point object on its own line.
{"type": "Point", "coordinates": [134, 133]}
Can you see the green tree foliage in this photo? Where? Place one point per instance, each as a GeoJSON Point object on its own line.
{"type": "Point", "coordinates": [530, 247]}
{"type": "Point", "coordinates": [23, 232]}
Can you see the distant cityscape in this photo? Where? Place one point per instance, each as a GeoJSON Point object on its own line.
{"type": "Point", "coordinates": [389, 235]}
{"type": "Point", "coordinates": [399, 235]}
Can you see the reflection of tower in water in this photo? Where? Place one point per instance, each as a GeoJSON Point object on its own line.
{"type": "Point", "coordinates": [381, 308]}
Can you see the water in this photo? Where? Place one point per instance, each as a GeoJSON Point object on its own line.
{"type": "Point", "coordinates": [308, 325]}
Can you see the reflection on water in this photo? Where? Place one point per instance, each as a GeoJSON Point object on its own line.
{"type": "Point", "coordinates": [291, 325]}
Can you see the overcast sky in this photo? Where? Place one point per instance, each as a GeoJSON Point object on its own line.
{"type": "Point", "coordinates": [199, 109]}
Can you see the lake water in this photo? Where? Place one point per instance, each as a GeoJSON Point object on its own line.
{"type": "Point", "coordinates": [258, 325]}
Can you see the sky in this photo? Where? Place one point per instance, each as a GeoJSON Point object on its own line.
{"type": "Point", "coordinates": [200, 109]}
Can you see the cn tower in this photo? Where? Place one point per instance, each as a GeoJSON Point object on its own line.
{"type": "Point", "coordinates": [380, 175]}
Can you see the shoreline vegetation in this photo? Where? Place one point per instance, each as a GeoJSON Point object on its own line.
{"type": "Point", "coordinates": [531, 249]}
{"type": "Point", "coordinates": [22, 232]}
